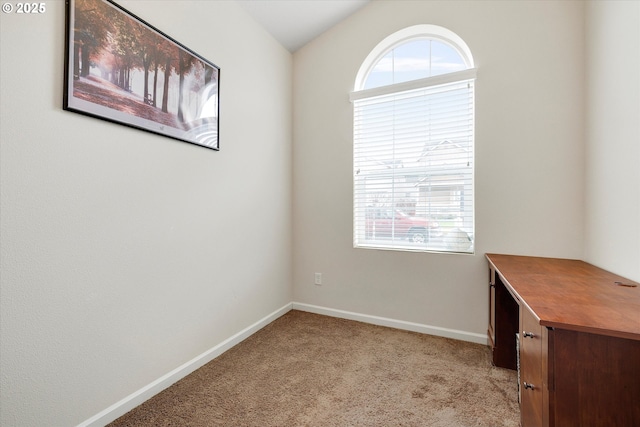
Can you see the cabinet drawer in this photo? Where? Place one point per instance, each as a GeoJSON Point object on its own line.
{"type": "Point", "coordinates": [531, 372]}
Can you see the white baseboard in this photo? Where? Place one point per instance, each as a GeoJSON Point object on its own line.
{"type": "Point", "coordinates": [128, 403]}
{"type": "Point", "coordinates": [392, 323]}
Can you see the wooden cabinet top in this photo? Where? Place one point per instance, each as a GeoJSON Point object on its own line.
{"type": "Point", "coordinates": [572, 294]}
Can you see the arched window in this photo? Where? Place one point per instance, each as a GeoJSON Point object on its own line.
{"type": "Point", "coordinates": [413, 143]}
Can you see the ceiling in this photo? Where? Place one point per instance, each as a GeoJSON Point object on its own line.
{"type": "Point", "coordinates": [294, 23]}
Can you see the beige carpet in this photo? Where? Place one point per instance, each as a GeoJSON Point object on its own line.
{"type": "Point", "coordinates": [310, 370]}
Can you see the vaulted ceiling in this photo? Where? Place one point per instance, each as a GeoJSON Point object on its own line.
{"type": "Point", "coordinates": [294, 23]}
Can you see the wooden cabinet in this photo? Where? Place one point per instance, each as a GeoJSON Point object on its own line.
{"type": "Point", "coordinates": [579, 335]}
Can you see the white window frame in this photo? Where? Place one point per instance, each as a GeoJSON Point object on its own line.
{"type": "Point", "coordinates": [456, 240]}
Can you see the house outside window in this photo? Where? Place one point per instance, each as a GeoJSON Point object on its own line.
{"type": "Point", "coordinates": [414, 144]}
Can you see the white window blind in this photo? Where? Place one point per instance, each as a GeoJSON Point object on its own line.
{"type": "Point", "coordinates": [413, 167]}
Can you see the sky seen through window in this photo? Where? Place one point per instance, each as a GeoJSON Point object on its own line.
{"type": "Point", "coordinates": [415, 60]}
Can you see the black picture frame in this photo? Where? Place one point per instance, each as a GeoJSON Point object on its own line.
{"type": "Point", "coordinates": [116, 69]}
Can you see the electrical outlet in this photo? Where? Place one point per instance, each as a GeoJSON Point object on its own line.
{"type": "Point", "coordinates": [318, 279]}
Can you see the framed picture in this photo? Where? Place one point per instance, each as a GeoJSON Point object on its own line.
{"type": "Point", "coordinates": [120, 68]}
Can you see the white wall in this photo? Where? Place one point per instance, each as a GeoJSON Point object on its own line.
{"type": "Point", "coordinates": [613, 137]}
{"type": "Point", "coordinates": [126, 254]}
{"type": "Point", "coordinates": [529, 158]}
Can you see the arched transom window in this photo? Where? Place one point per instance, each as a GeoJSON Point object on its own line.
{"type": "Point", "coordinates": [413, 143]}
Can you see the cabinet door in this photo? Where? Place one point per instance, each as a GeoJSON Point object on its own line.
{"type": "Point", "coordinates": [531, 384]}
{"type": "Point", "coordinates": [596, 380]}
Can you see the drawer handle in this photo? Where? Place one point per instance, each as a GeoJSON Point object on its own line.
{"type": "Point", "coordinates": [528, 334]}
{"type": "Point", "coordinates": [529, 386]}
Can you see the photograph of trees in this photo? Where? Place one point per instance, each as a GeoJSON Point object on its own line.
{"type": "Point", "coordinates": [121, 69]}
